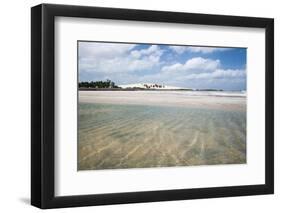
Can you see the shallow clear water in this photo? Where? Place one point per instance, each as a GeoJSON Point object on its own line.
{"type": "Point", "coordinates": [115, 136]}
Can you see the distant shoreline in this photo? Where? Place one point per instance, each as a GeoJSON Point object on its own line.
{"type": "Point", "coordinates": [136, 89]}
{"type": "Point", "coordinates": [142, 89]}
{"type": "Point", "coordinates": [190, 99]}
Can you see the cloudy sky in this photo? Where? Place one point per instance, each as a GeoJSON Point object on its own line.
{"type": "Point", "coordinates": [182, 66]}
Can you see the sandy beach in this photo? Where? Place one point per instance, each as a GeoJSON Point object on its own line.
{"type": "Point", "coordinates": [192, 99]}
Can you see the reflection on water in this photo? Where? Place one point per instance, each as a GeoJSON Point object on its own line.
{"type": "Point", "coordinates": [129, 136]}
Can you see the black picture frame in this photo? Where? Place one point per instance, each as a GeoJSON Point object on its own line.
{"type": "Point", "coordinates": [43, 105]}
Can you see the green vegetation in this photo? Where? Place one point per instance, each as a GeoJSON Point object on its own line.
{"type": "Point", "coordinates": [97, 84]}
{"type": "Point", "coordinates": [153, 86]}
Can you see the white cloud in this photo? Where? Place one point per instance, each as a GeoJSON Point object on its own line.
{"type": "Point", "coordinates": [96, 50]}
{"type": "Point", "coordinates": [194, 65]}
{"type": "Point", "coordinates": [199, 73]}
{"type": "Point", "coordinates": [219, 74]}
{"type": "Point", "coordinates": [201, 68]}
{"type": "Point", "coordinates": [152, 50]}
{"type": "Point", "coordinates": [193, 49]}
{"type": "Point", "coordinates": [117, 58]}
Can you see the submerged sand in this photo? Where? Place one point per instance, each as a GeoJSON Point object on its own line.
{"type": "Point", "coordinates": [143, 129]}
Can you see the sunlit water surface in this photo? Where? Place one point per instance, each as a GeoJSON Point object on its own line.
{"type": "Point", "coordinates": [114, 136]}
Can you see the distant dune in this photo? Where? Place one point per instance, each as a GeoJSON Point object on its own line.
{"type": "Point", "coordinates": [150, 86]}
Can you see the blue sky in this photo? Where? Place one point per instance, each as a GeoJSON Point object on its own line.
{"type": "Point", "coordinates": [183, 66]}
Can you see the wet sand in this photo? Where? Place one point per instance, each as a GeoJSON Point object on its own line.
{"type": "Point", "coordinates": [210, 100]}
{"type": "Point", "coordinates": [143, 129]}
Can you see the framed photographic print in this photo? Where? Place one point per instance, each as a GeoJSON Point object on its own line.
{"type": "Point", "coordinates": [139, 106]}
